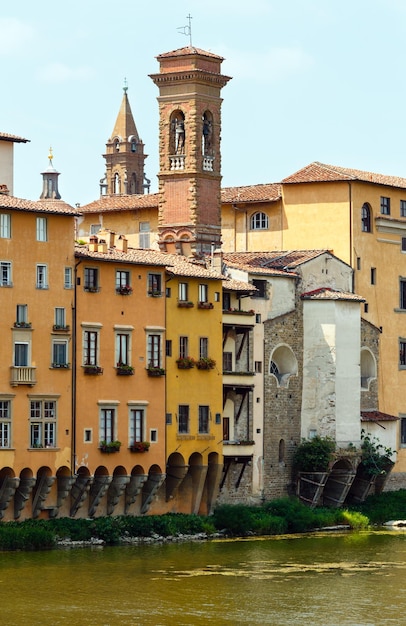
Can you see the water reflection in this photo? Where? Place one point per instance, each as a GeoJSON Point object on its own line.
{"type": "Point", "coordinates": [353, 579]}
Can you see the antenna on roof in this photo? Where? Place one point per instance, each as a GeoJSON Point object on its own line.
{"type": "Point", "coordinates": [187, 30]}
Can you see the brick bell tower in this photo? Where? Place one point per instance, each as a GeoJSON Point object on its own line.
{"type": "Point", "coordinates": [189, 82]}
{"type": "Point", "coordinates": [124, 156]}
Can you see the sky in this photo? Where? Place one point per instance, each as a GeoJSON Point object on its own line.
{"type": "Point", "coordinates": [314, 80]}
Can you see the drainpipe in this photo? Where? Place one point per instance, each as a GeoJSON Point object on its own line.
{"type": "Point", "coordinates": [351, 231]}
{"type": "Point", "coordinates": [74, 370]}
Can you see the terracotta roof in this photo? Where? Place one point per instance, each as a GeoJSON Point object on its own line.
{"type": "Point", "coordinates": [188, 50]}
{"type": "Point", "coordinates": [320, 172]}
{"type": "Point", "coordinates": [238, 285]}
{"type": "Point", "coordinates": [122, 202]}
{"type": "Point", "coordinates": [326, 293]}
{"type": "Point", "coordinates": [14, 138]}
{"type": "Point", "coordinates": [252, 193]}
{"type": "Point", "coordinates": [377, 416]}
{"type": "Point", "coordinates": [38, 206]}
{"type": "Point", "coordinates": [272, 263]}
{"type": "Point", "coordinates": [183, 266]}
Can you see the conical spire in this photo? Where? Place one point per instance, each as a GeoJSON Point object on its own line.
{"type": "Point", "coordinates": [125, 126]}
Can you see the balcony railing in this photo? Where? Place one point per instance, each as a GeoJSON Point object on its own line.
{"type": "Point", "coordinates": [177, 162]}
{"type": "Point", "coordinates": [20, 375]}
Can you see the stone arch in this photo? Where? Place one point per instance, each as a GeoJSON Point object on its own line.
{"type": "Point", "coordinates": [101, 470]}
{"type": "Point", "coordinates": [177, 132]}
{"type": "Point", "coordinates": [368, 368]}
{"type": "Point", "coordinates": [283, 364]}
{"type": "Point", "coordinates": [63, 471]}
{"type": "Point", "coordinates": [6, 472]}
{"type": "Point", "coordinates": [116, 183]}
{"type": "Point", "coordinates": [207, 133]}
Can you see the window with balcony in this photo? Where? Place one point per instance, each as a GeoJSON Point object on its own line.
{"type": "Point", "coordinates": [183, 418]}
{"type": "Point", "coordinates": [91, 279]}
{"type": "Point", "coordinates": [5, 274]}
{"type": "Point", "coordinates": [42, 423]}
{"type": "Point", "coordinates": [60, 354]}
{"type": "Point", "coordinates": [21, 354]}
{"type": "Point", "coordinates": [123, 285]}
{"type": "Point", "coordinates": [5, 423]}
{"type": "Point", "coordinates": [5, 226]}
{"type": "Point", "coordinates": [68, 278]}
{"type": "Point", "coordinates": [203, 419]}
{"type": "Point", "coordinates": [203, 348]}
{"type": "Point", "coordinates": [154, 284]}
{"type": "Point", "coordinates": [42, 276]}
{"type": "Point", "coordinates": [90, 347]}
{"type": "Point", "coordinates": [42, 234]}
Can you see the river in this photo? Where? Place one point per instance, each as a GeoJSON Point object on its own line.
{"type": "Point", "coordinates": [353, 579]}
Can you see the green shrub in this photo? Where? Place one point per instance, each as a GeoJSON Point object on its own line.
{"type": "Point", "coordinates": [354, 519]}
{"type": "Point", "coordinates": [314, 455]}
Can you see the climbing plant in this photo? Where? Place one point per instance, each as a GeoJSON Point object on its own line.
{"type": "Point", "coordinates": [376, 458]}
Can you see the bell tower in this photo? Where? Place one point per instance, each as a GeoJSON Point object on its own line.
{"type": "Point", "coordinates": [124, 156]}
{"type": "Point", "coordinates": [189, 83]}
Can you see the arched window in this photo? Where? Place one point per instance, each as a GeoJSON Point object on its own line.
{"type": "Point", "coordinates": [283, 364]}
{"type": "Point", "coordinates": [366, 218]}
{"type": "Point", "coordinates": [368, 368]}
{"type": "Point", "coordinates": [177, 138]}
{"type": "Point", "coordinates": [207, 134]}
{"type": "Point", "coordinates": [259, 221]}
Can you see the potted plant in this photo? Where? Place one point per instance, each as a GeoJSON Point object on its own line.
{"type": "Point", "coordinates": [124, 290]}
{"type": "Point", "coordinates": [154, 370]}
{"type": "Point", "coordinates": [205, 363]}
{"type": "Point", "coordinates": [155, 293]}
{"type": "Point", "coordinates": [124, 370]}
{"type": "Point", "coordinates": [140, 446]}
{"type": "Point", "coordinates": [22, 324]}
{"type": "Point", "coordinates": [205, 305]}
{"type": "Point", "coordinates": [59, 327]}
{"type": "Point", "coordinates": [109, 446]}
{"type": "Point", "coordinates": [185, 304]}
{"type": "Point", "coordinates": [185, 362]}
{"type": "Point", "coordinates": [93, 369]}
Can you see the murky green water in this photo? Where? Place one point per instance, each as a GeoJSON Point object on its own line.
{"type": "Point", "coordinates": [353, 579]}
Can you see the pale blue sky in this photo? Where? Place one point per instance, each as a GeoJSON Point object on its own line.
{"type": "Point", "coordinates": [312, 80]}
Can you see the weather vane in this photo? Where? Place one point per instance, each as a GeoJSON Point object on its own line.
{"type": "Point", "coordinates": [187, 30]}
{"type": "Point", "coordinates": [125, 88]}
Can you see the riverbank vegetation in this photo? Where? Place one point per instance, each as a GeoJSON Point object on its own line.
{"type": "Point", "coordinates": [285, 515]}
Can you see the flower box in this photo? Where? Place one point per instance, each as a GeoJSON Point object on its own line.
{"type": "Point", "coordinates": [124, 370]}
{"type": "Point", "coordinates": [155, 294]}
{"type": "Point", "coordinates": [140, 446]}
{"type": "Point", "coordinates": [125, 290]}
{"type": "Point", "coordinates": [239, 312]}
{"type": "Point", "coordinates": [184, 304]}
{"type": "Point", "coordinates": [92, 369]}
{"type": "Point", "coordinates": [91, 289]}
{"type": "Point", "coordinates": [205, 305]}
{"type": "Point", "coordinates": [205, 364]}
{"type": "Point", "coordinates": [62, 328]}
{"type": "Point", "coordinates": [22, 324]}
{"type": "Point", "coordinates": [62, 366]}
{"type": "Point", "coordinates": [155, 371]}
{"type": "Point", "coordinates": [111, 446]}
{"type": "Point", "coordinates": [185, 363]}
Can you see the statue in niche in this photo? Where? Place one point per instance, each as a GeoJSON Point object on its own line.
{"type": "Point", "coordinates": [178, 128]}
{"type": "Point", "coordinates": [207, 136]}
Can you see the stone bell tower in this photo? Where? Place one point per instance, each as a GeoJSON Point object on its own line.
{"type": "Point", "coordinates": [124, 156]}
{"type": "Point", "coordinates": [189, 82]}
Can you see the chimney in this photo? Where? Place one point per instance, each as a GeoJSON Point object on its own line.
{"type": "Point", "coordinates": [122, 244]}
{"type": "Point", "coordinates": [102, 247]}
{"type": "Point", "coordinates": [93, 243]}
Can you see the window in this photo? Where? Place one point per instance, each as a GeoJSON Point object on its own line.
{"type": "Point", "coordinates": [5, 274]}
{"type": "Point", "coordinates": [42, 423]}
{"type": "Point", "coordinates": [227, 361]}
{"type": "Point", "coordinates": [168, 292]}
{"type": "Point", "coordinates": [203, 348]}
{"type": "Point", "coordinates": [385, 205]}
{"type": "Point", "coordinates": [42, 279]}
{"type": "Point", "coordinates": [203, 419]}
{"type": "Point", "coordinates": [107, 425]}
{"type": "Point", "coordinates": [67, 278]}
{"type": "Point", "coordinates": [402, 353]}
{"type": "Point", "coordinates": [123, 282]}
{"type": "Point", "coordinates": [259, 221]}
{"type": "Point", "coordinates": [358, 263]}
{"type": "Point", "coordinates": [122, 349]}
{"type": "Point", "coordinates": [60, 317]}
{"type": "Point", "coordinates": [258, 367]}
{"type": "Point", "coordinates": [21, 354]}
{"type": "Point", "coordinates": [154, 350]}
{"type": "Point", "coordinates": [183, 418]}
{"type": "Point", "coordinates": [183, 292]}
{"type": "Point", "coordinates": [168, 347]}
{"type": "Point", "coordinates": [403, 244]}
{"type": "Point", "coordinates": [203, 293]}
{"type": "Point", "coordinates": [144, 238]}
{"type": "Point", "coordinates": [366, 218]}
{"type": "Point", "coordinates": [373, 275]}
{"type": "Point", "coordinates": [94, 228]}
{"type": "Point", "coordinates": [258, 318]}
{"type": "Point", "coordinates": [90, 347]}
{"type": "Point", "coordinates": [153, 435]}
{"type": "Point", "coordinates": [183, 347]}
{"type": "Point", "coordinates": [5, 423]}
{"type": "Point", "coordinates": [402, 285]}
{"type": "Point", "coordinates": [226, 429]}
{"type": "Point", "coordinates": [403, 208]}
{"type": "Point", "coordinates": [91, 279]}
{"type": "Point", "coordinates": [41, 229]}
{"type": "Point", "coordinates": [403, 431]}
{"type": "Point", "coordinates": [22, 314]}
{"type": "Point", "coordinates": [5, 226]}
{"type": "Point", "coordinates": [154, 284]}
{"type": "Point", "coordinates": [137, 426]}
{"type": "Point", "coordinates": [60, 353]}
{"type": "Point", "coordinates": [226, 300]}
{"type": "Point", "coordinates": [261, 287]}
